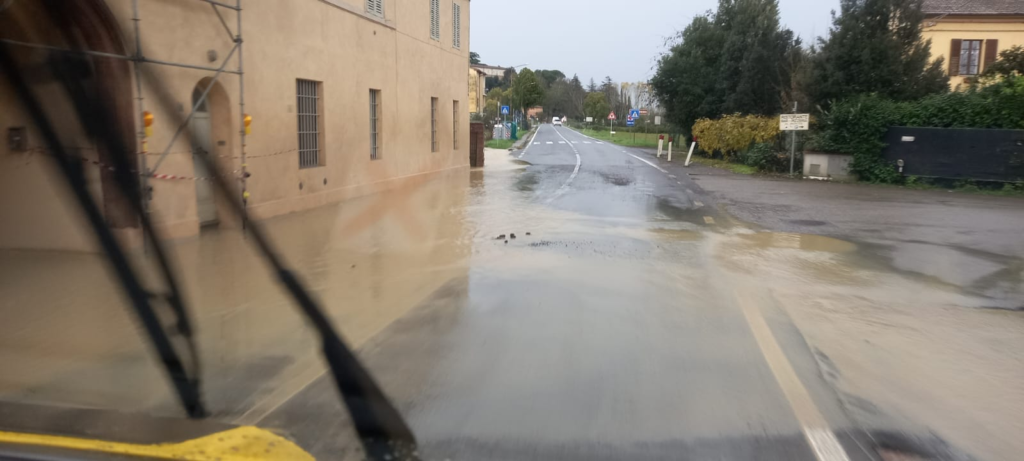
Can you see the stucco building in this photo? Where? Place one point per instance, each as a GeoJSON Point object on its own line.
{"type": "Point", "coordinates": [970, 34]}
{"type": "Point", "coordinates": [347, 98]}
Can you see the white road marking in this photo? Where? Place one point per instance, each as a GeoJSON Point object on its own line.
{"type": "Point", "coordinates": [699, 204]}
{"type": "Point", "coordinates": [561, 142]}
{"type": "Point", "coordinates": [599, 142]}
{"type": "Point", "coordinates": [820, 438]}
{"type": "Point", "coordinates": [549, 142]}
{"type": "Point", "coordinates": [709, 220]}
{"type": "Point", "coordinates": [586, 142]}
{"type": "Point", "coordinates": [575, 171]}
{"type": "Point", "coordinates": [645, 161]}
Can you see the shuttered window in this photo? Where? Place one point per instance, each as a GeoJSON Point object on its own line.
{"type": "Point", "coordinates": [435, 19]}
{"type": "Point", "coordinates": [375, 7]}
{"type": "Point", "coordinates": [308, 106]}
{"type": "Point", "coordinates": [456, 25]}
{"type": "Point", "coordinates": [375, 125]}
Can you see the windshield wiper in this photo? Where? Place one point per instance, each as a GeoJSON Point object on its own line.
{"type": "Point", "coordinates": [382, 431]}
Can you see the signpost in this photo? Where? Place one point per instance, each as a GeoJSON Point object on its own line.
{"type": "Point", "coordinates": [657, 120]}
{"type": "Point", "coordinates": [644, 112]}
{"type": "Point", "coordinates": [611, 123]}
{"type": "Point", "coordinates": [793, 123]}
{"type": "Point", "coordinates": [504, 113]}
{"type": "Point", "coordinates": [634, 114]}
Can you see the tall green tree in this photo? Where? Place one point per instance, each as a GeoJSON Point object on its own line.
{"type": "Point", "coordinates": [596, 105]}
{"type": "Point", "coordinates": [731, 61]}
{"type": "Point", "coordinates": [875, 46]}
{"type": "Point", "coordinates": [474, 57]}
{"type": "Point", "coordinates": [548, 77]}
{"type": "Point", "coordinates": [526, 90]}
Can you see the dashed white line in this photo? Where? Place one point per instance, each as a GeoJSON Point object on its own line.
{"type": "Point", "coordinates": [561, 142]}
{"type": "Point", "coordinates": [698, 204]}
{"type": "Point", "coordinates": [549, 142]}
{"type": "Point", "coordinates": [709, 220]}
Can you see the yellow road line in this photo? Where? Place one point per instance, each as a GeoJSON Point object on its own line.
{"type": "Point", "coordinates": [243, 443]}
{"type": "Point", "coordinates": [821, 439]}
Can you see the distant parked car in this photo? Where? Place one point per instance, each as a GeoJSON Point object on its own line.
{"type": "Point", "coordinates": [556, 121]}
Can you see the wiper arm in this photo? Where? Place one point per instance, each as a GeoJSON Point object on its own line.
{"type": "Point", "coordinates": [184, 376]}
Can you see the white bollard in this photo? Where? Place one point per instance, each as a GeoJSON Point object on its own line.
{"type": "Point", "coordinates": [670, 151]}
{"type": "Point", "coordinates": [688, 156]}
{"type": "Point", "coordinates": [661, 146]}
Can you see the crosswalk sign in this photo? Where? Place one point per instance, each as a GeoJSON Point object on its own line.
{"type": "Point", "coordinates": [634, 114]}
{"type": "Point", "coordinates": [504, 110]}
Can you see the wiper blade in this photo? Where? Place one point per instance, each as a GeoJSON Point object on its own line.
{"type": "Point", "coordinates": [382, 431]}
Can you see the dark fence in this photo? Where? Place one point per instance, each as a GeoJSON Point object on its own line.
{"type": "Point", "coordinates": [987, 155]}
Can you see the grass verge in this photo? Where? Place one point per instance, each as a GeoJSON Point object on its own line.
{"type": "Point", "coordinates": [625, 139]}
{"type": "Point", "coordinates": [499, 144]}
{"type": "Point", "coordinates": [737, 168]}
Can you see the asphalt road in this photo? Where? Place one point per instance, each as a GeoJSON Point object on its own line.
{"type": "Point", "coordinates": [632, 315]}
{"type": "Point", "coordinates": [602, 331]}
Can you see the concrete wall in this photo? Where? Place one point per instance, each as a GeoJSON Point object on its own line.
{"type": "Point", "coordinates": [1009, 30]}
{"type": "Point", "coordinates": [330, 41]}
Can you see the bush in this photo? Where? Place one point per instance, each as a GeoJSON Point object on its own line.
{"type": "Point", "coordinates": [733, 134]}
{"type": "Point", "coordinates": [765, 157]}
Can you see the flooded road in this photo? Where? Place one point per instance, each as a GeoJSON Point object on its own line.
{"type": "Point", "coordinates": [576, 300]}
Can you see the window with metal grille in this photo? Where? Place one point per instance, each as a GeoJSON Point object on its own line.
{"type": "Point", "coordinates": [455, 125]}
{"type": "Point", "coordinates": [456, 25]}
{"type": "Point", "coordinates": [308, 108]}
{"type": "Point", "coordinates": [970, 57]}
{"type": "Point", "coordinates": [375, 125]}
{"type": "Point", "coordinates": [433, 124]}
{"type": "Point", "coordinates": [435, 19]}
{"type": "Point", "coordinates": [375, 7]}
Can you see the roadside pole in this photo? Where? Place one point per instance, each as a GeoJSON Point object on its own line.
{"type": "Point", "coordinates": [670, 149]}
{"type": "Point", "coordinates": [690, 155]}
{"type": "Point", "coordinates": [793, 123]}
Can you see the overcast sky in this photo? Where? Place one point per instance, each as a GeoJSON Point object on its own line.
{"type": "Point", "coordinates": [595, 38]}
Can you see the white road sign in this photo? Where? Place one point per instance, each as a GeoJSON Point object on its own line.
{"type": "Point", "coordinates": [657, 120]}
{"type": "Point", "coordinates": [590, 119]}
{"type": "Point", "coordinates": [795, 122]}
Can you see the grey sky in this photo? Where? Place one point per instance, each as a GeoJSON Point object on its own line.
{"type": "Point", "coordinates": [595, 38]}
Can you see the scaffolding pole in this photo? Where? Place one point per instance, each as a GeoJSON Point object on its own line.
{"type": "Point", "coordinates": [137, 64]}
{"type": "Point", "coordinates": [241, 111]}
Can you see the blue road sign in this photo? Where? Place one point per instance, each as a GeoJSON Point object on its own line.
{"type": "Point", "coordinates": [634, 114]}
{"type": "Point", "coordinates": [630, 122]}
{"type": "Point", "coordinates": [504, 110]}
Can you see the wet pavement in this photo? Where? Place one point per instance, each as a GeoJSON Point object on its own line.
{"type": "Point", "coordinates": [638, 312]}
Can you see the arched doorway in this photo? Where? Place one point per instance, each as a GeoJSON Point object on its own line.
{"type": "Point", "coordinates": [211, 135]}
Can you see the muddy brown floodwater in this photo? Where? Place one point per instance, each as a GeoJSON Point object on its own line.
{"type": "Point", "coordinates": [610, 321]}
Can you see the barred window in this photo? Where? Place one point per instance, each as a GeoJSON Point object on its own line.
{"type": "Point", "coordinates": [433, 124]}
{"type": "Point", "coordinates": [455, 125]}
{"type": "Point", "coordinates": [308, 106]}
{"type": "Point", "coordinates": [375, 125]}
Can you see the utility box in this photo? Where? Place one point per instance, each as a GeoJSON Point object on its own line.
{"type": "Point", "coordinates": [824, 165]}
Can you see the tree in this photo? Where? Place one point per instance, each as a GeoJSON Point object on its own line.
{"type": "Point", "coordinates": [591, 87]}
{"type": "Point", "coordinates": [526, 90]}
{"type": "Point", "coordinates": [1010, 62]}
{"type": "Point", "coordinates": [474, 57]}
{"type": "Point", "coordinates": [547, 77]}
{"type": "Point", "coordinates": [576, 97]}
{"type": "Point", "coordinates": [875, 46]}
{"type": "Point", "coordinates": [596, 105]}
{"type": "Point", "coordinates": [731, 61]}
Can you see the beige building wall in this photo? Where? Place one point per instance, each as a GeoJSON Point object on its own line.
{"type": "Point", "coordinates": [477, 87]}
{"type": "Point", "coordinates": [1008, 30]}
{"type": "Point", "coordinates": [334, 42]}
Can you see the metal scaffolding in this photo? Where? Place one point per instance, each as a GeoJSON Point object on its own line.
{"type": "Point", "coordinates": [138, 59]}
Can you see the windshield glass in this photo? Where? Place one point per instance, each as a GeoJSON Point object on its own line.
{"type": "Point", "coordinates": [735, 229]}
